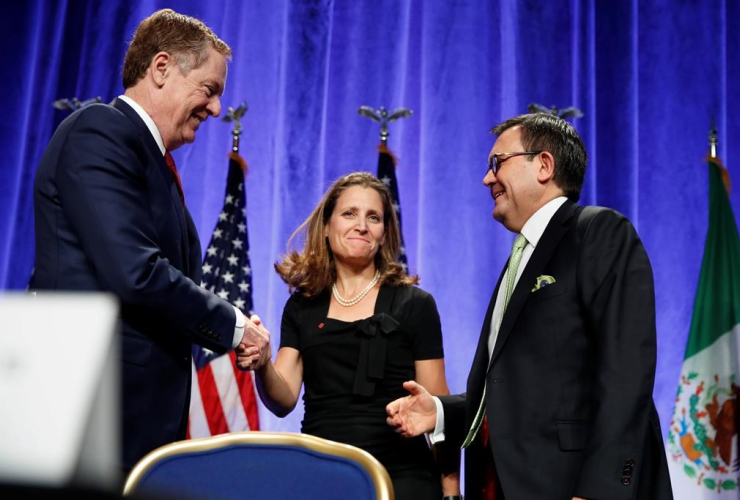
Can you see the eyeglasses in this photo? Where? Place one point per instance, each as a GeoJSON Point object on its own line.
{"type": "Point", "coordinates": [496, 159]}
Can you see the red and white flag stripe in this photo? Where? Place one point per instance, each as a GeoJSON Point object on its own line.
{"type": "Point", "coordinates": [223, 399]}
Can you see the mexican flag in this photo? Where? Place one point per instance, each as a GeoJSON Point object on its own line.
{"type": "Point", "coordinates": [702, 443]}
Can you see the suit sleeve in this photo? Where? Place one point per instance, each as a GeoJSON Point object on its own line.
{"type": "Point", "coordinates": [454, 419]}
{"type": "Point", "coordinates": [616, 290]}
{"type": "Point", "coordinates": [102, 186]}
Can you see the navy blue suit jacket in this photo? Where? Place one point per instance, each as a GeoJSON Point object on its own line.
{"type": "Point", "coordinates": [569, 384]}
{"type": "Point", "coordinates": [109, 218]}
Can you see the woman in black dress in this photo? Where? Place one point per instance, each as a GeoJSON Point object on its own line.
{"type": "Point", "coordinates": [354, 329]}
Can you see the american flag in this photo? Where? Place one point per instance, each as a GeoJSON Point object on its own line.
{"type": "Point", "coordinates": [387, 175]}
{"type": "Point", "coordinates": [223, 397]}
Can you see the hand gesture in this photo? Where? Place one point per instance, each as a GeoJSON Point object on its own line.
{"type": "Point", "coordinates": [254, 350]}
{"type": "Point", "coordinates": [412, 415]}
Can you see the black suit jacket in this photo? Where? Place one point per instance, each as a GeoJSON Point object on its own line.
{"type": "Point", "coordinates": [570, 380]}
{"type": "Point", "coordinates": [109, 218]}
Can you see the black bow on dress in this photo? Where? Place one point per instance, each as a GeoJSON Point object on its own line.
{"type": "Point", "coordinates": [371, 363]}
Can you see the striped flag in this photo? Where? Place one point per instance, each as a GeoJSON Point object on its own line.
{"type": "Point", "coordinates": [387, 175]}
{"type": "Point", "coordinates": [223, 397]}
{"type": "Point", "coordinates": [703, 440]}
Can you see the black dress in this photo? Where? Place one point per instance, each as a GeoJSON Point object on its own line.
{"type": "Point", "coordinates": [352, 370]}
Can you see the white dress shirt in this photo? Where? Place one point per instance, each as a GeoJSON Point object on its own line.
{"type": "Point", "coordinates": [240, 322]}
{"type": "Point", "coordinates": [533, 230]}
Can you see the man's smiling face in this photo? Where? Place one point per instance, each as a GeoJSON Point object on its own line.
{"type": "Point", "coordinates": [514, 187]}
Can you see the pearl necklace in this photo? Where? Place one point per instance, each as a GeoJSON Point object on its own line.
{"type": "Point", "coordinates": [349, 303]}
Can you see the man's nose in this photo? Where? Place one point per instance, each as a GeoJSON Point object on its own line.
{"type": "Point", "coordinates": [490, 178]}
{"type": "Point", "coordinates": [214, 107]}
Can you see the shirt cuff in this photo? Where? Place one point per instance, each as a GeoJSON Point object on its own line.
{"type": "Point", "coordinates": [439, 430]}
{"type": "Point", "coordinates": [238, 328]}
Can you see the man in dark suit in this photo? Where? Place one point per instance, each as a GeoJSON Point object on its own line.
{"type": "Point", "coordinates": [111, 217]}
{"type": "Point", "coordinates": [559, 397]}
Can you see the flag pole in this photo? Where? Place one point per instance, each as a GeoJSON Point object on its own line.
{"type": "Point", "coordinates": [235, 140]}
{"type": "Point", "coordinates": [235, 116]}
{"type": "Point", "coordinates": [73, 104]}
{"type": "Point", "coordinates": [382, 116]}
{"type": "Point", "coordinates": [713, 158]}
{"type": "Point", "coordinates": [387, 162]}
{"type": "Point", "coordinates": [224, 399]}
{"type": "Point", "coordinates": [568, 112]}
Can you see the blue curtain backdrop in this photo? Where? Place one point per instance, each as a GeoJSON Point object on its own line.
{"type": "Point", "coordinates": [648, 75]}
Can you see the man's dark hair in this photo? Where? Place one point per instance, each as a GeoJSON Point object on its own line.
{"type": "Point", "coordinates": [545, 132]}
{"type": "Point", "coordinates": [185, 38]}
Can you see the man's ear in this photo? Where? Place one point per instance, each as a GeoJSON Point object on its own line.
{"type": "Point", "coordinates": [547, 167]}
{"type": "Point", "coordinates": [160, 67]}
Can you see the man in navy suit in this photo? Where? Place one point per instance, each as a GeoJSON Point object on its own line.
{"type": "Point", "coordinates": [111, 217]}
{"type": "Point", "coordinates": [559, 397]}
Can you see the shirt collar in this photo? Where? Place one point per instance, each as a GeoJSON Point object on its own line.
{"type": "Point", "coordinates": [147, 119]}
{"type": "Point", "coordinates": [536, 225]}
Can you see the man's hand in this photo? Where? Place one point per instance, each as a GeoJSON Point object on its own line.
{"type": "Point", "coordinates": [254, 350]}
{"type": "Point", "coordinates": [413, 415]}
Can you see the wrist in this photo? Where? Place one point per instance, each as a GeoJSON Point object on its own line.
{"type": "Point", "coordinates": [453, 497]}
{"type": "Point", "coordinates": [261, 370]}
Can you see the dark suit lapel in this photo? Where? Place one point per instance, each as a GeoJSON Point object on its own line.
{"type": "Point", "coordinates": [476, 378]}
{"type": "Point", "coordinates": [481, 354]}
{"type": "Point", "coordinates": [549, 241]}
{"type": "Point", "coordinates": [161, 165]}
{"type": "Point", "coordinates": [192, 253]}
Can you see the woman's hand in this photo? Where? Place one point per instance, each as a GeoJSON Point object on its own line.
{"type": "Point", "coordinates": [255, 350]}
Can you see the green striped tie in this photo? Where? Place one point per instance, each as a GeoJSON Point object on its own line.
{"type": "Point", "coordinates": [516, 256]}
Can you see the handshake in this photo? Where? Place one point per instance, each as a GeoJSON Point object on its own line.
{"type": "Point", "coordinates": [254, 351]}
